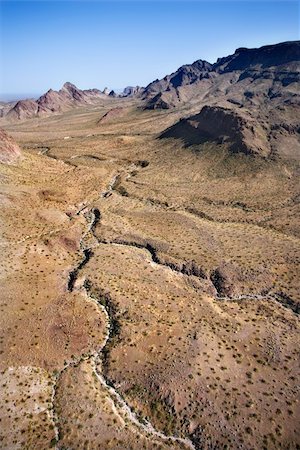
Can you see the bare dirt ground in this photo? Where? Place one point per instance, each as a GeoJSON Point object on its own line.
{"type": "Point", "coordinates": [149, 292]}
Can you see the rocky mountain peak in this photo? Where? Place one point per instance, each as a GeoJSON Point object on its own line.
{"type": "Point", "coordinates": [129, 91]}
{"type": "Point", "coordinates": [69, 86]}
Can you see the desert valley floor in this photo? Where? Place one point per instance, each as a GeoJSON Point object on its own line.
{"type": "Point", "coordinates": [148, 289]}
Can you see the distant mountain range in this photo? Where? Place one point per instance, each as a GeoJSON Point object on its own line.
{"type": "Point", "coordinates": [251, 98]}
{"type": "Point", "coordinates": [68, 97]}
{"type": "Point", "coordinates": [54, 101]}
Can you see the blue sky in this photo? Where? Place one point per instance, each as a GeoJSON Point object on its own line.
{"type": "Point", "coordinates": [119, 43]}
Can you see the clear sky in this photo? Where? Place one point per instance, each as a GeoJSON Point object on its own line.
{"type": "Point", "coordinates": [120, 43]}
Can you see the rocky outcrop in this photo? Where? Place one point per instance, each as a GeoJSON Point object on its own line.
{"type": "Point", "coordinates": [161, 101]}
{"type": "Point", "coordinates": [73, 93]}
{"type": "Point", "coordinates": [23, 110]}
{"type": "Point", "coordinates": [69, 95]}
{"type": "Point", "coordinates": [222, 125]}
{"type": "Point", "coordinates": [185, 75]}
{"type": "Point", "coordinates": [5, 107]}
{"type": "Point", "coordinates": [112, 114]}
{"type": "Point", "coordinates": [9, 149]}
{"type": "Point", "coordinates": [131, 91]}
{"type": "Point", "coordinates": [225, 279]}
{"type": "Point", "coordinates": [52, 101]}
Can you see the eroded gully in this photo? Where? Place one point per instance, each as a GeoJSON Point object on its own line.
{"type": "Point", "coordinates": [119, 405]}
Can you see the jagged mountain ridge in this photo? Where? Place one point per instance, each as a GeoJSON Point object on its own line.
{"type": "Point", "coordinates": [278, 63]}
{"type": "Point", "coordinates": [69, 96]}
{"type": "Point", "coordinates": [185, 75]}
{"type": "Point", "coordinates": [55, 101]}
{"type": "Point", "coordinates": [258, 87]}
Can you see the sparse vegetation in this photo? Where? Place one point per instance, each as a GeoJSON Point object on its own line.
{"type": "Point", "coordinates": [193, 274]}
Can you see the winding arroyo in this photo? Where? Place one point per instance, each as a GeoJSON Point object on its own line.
{"type": "Point", "coordinates": [98, 358]}
{"type": "Point", "coordinates": [87, 253]}
{"type": "Point", "coordinates": [190, 268]}
{"type": "Point", "coordinates": [119, 404]}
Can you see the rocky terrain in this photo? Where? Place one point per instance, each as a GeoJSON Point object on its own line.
{"type": "Point", "coordinates": [112, 114]}
{"type": "Point", "coordinates": [150, 260]}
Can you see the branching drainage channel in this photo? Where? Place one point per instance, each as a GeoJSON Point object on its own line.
{"type": "Point", "coordinates": [104, 302]}
{"type": "Point", "coordinates": [106, 305]}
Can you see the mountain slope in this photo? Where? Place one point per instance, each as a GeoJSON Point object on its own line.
{"type": "Point", "coordinates": [255, 90]}
{"type": "Point", "coordinates": [264, 70]}
{"type": "Point", "coordinates": [222, 125]}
